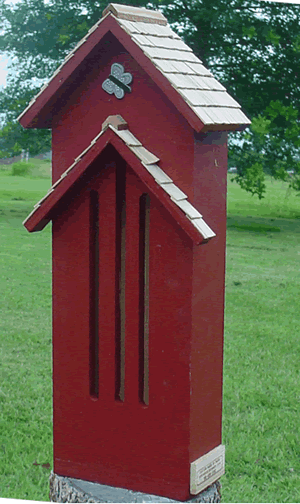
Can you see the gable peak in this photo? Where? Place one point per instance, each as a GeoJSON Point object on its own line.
{"type": "Point", "coordinates": [140, 14]}
{"type": "Point", "coordinates": [116, 121]}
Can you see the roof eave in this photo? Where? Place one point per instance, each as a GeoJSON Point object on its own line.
{"type": "Point", "coordinates": [33, 115]}
{"type": "Point", "coordinates": [225, 127]}
{"type": "Point", "coordinates": [36, 112]}
{"type": "Point", "coordinates": [42, 215]}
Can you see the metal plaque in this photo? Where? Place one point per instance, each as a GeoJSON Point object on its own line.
{"type": "Point", "coordinates": [207, 469]}
{"type": "Point", "coordinates": [117, 82]}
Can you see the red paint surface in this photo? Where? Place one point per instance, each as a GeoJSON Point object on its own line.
{"type": "Point", "coordinates": [93, 51]}
{"type": "Point", "coordinates": [128, 444]}
{"type": "Point", "coordinates": [151, 117]}
{"type": "Point", "coordinates": [210, 177]}
{"type": "Point", "coordinates": [122, 444]}
{"type": "Point", "coordinates": [55, 202]}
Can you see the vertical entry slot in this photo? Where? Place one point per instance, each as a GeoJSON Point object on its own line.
{"type": "Point", "coordinates": [94, 295]}
{"type": "Point", "coordinates": [120, 281]}
{"type": "Point", "coordinates": [144, 299]}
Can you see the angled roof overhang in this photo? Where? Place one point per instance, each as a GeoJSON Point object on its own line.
{"type": "Point", "coordinates": [38, 114]}
{"type": "Point", "coordinates": [144, 164]}
{"type": "Point", "coordinates": [168, 61]}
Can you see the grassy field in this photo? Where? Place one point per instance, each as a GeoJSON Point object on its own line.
{"type": "Point", "coordinates": [262, 348]}
{"type": "Point", "coordinates": [25, 340]}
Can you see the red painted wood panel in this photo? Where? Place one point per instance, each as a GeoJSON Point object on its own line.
{"type": "Point", "coordinates": [150, 114]}
{"type": "Point", "coordinates": [54, 201]}
{"type": "Point", "coordinates": [70, 332]}
{"type": "Point", "coordinates": [41, 112]}
{"type": "Point", "coordinates": [124, 444]}
{"type": "Point", "coordinates": [210, 171]}
{"type": "Point", "coordinates": [106, 187]}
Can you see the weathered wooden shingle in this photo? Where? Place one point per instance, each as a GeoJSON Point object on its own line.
{"type": "Point", "coordinates": [174, 192]}
{"type": "Point", "coordinates": [157, 173]}
{"type": "Point", "coordinates": [149, 29]}
{"type": "Point", "coordinates": [143, 154]}
{"type": "Point", "coordinates": [181, 81]}
{"type": "Point", "coordinates": [188, 209]}
{"type": "Point", "coordinates": [136, 14]}
{"type": "Point", "coordinates": [165, 42]}
{"type": "Point", "coordinates": [168, 66]}
{"type": "Point", "coordinates": [129, 138]}
{"type": "Point", "coordinates": [169, 54]}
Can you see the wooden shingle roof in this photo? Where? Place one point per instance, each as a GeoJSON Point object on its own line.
{"type": "Point", "coordinates": [186, 73]}
{"type": "Point", "coordinates": [144, 163]}
{"type": "Point", "coordinates": [168, 60]}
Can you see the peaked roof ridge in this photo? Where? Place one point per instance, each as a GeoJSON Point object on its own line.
{"type": "Point", "coordinates": [60, 67]}
{"type": "Point", "coordinates": [115, 11]}
{"type": "Point", "coordinates": [198, 95]}
{"type": "Point", "coordinates": [136, 14]}
{"type": "Point", "coordinates": [149, 161]}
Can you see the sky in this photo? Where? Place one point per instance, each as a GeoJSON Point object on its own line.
{"type": "Point", "coordinates": [4, 60]}
{"type": "Point", "coordinates": [3, 70]}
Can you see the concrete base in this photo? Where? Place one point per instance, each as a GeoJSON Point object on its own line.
{"type": "Point", "coordinates": [75, 490]}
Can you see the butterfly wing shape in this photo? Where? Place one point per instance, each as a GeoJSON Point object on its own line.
{"type": "Point", "coordinates": [117, 72]}
{"type": "Point", "coordinates": [108, 86]}
{"type": "Point", "coordinates": [119, 92]}
{"type": "Point", "coordinates": [126, 78]}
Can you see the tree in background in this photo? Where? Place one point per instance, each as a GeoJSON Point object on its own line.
{"type": "Point", "coordinates": [251, 46]}
{"type": "Point", "coordinates": [272, 146]}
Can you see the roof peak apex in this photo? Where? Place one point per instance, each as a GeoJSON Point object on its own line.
{"type": "Point", "coordinates": [140, 14]}
{"type": "Point", "coordinates": [116, 121]}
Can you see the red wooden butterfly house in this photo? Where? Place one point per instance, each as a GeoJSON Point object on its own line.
{"type": "Point", "coordinates": [138, 210]}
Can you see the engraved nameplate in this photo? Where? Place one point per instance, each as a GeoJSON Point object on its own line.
{"type": "Point", "coordinates": [207, 469]}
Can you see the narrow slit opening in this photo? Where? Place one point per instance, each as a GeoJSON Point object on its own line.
{"type": "Point", "coordinates": [144, 299]}
{"type": "Point", "coordinates": [120, 284]}
{"type": "Point", "coordinates": [94, 295]}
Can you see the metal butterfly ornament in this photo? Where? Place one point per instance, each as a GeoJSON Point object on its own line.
{"type": "Point", "coordinates": [117, 82]}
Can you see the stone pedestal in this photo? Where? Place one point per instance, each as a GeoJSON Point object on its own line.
{"type": "Point", "coordinates": [75, 490]}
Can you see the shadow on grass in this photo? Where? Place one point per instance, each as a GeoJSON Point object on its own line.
{"type": "Point", "coordinates": [262, 225]}
{"type": "Point", "coordinates": [15, 211]}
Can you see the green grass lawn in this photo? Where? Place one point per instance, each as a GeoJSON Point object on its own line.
{"type": "Point", "coordinates": [25, 342]}
{"type": "Point", "coordinates": [262, 348]}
